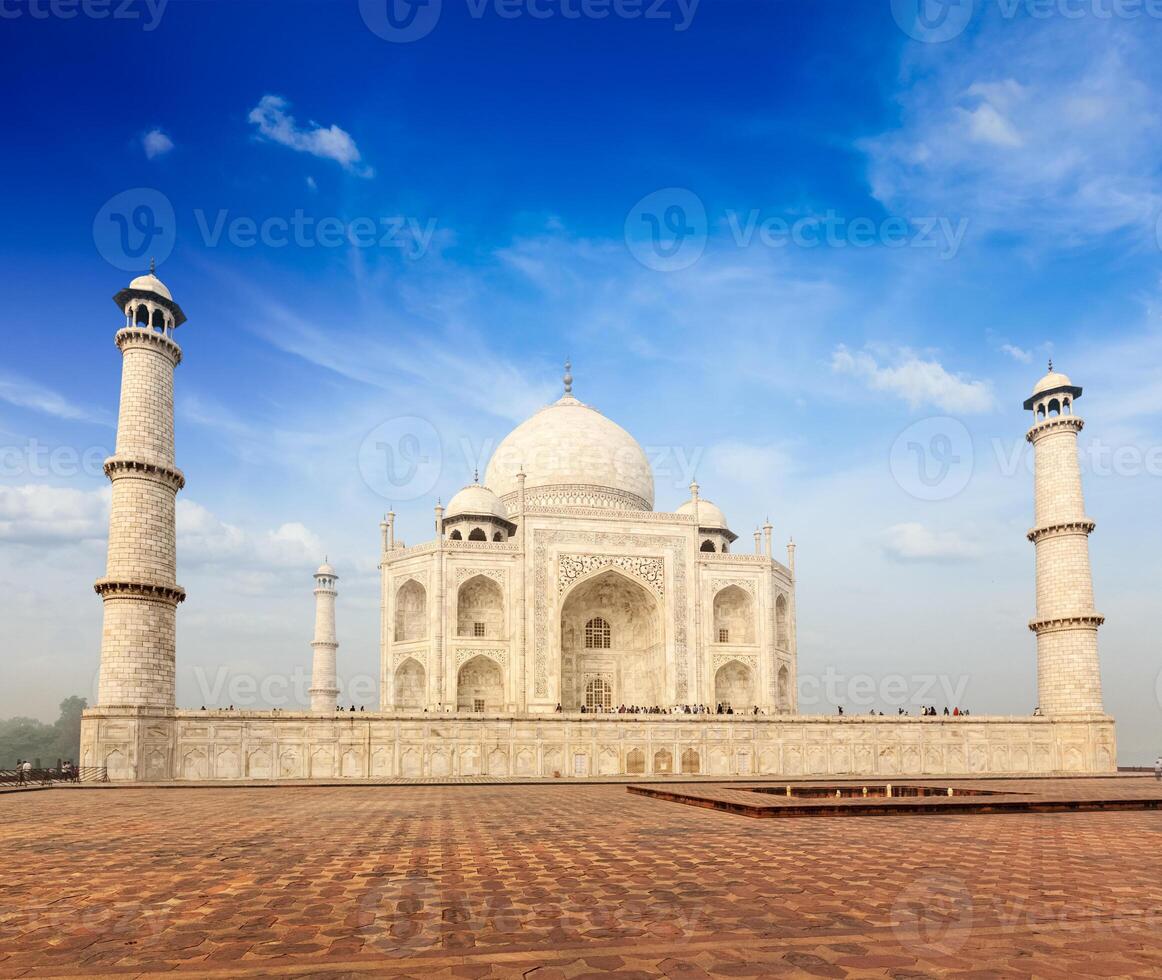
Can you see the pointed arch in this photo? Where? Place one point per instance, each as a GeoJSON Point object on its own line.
{"type": "Point", "coordinates": [782, 627]}
{"type": "Point", "coordinates": [633, 662]}
{"type": "Point", "coordinates": [734, 686]}
{"type": "Point", "coordinates": [734, 618]}
{"type": "Point", "coordinates": [480, 686]}
{"type": "Point", "coordinates": [411, 612]}
{"type": "Point", "coordinates": [410, 684]}
{"type": "Point", "coordinates": [480, 608]}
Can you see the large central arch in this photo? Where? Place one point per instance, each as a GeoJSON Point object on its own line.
{"type": "Point", "coordinates": [611, 634]}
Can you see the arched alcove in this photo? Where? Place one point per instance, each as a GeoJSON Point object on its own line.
{"type": "Point", "coordinates": [480, 686]}
{"type": "Point", "coordinates": [480, 608]}
{"type": "Point", "coordinates": [411, 612]}
{"type": "Point", "coordinates": [611, 630]}
{"type": "Point", "coordinates": [734, 686]}
{"type": "Point", "coordinates": [734, 616]}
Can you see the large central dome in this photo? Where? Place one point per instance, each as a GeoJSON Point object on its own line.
{"type": "Point", "coordinates": [572, 456]}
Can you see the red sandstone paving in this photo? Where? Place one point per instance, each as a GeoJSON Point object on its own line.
{"type": "Point", "coordinates": [574, 881]}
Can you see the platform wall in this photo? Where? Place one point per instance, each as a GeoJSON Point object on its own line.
{"type": "Point", "coordinates": [208, 745]}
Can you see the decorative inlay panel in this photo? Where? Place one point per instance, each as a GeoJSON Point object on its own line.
{"type": "Point", "coordinates": [498, 575]}
{"type": "Point", "coordinates": [746, 659]}
{"type": "Point", "coordinates": [464, 654]}
{"type": "Point", "coordinates": [718, 584]}
{"type": "Point", "coordinates": [652, 571]}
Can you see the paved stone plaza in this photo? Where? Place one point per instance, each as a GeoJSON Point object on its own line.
{"type": "Point", "coordinates": [565, 881]}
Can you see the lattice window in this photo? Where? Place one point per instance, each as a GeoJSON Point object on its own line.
{"type": "Point", "coordinates": [478, 705]}
{"type": "Point", "coordinates": [597, 634]}
{"type": "Point", "coordinates": [477, 629]}
{"type": "Point", "coordinates": [598, 694]}
{"type": "Point", "coordinates": [724, 636]}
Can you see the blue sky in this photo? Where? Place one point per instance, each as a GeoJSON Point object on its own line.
{"type": "Point", "coordinates": [877, 233]}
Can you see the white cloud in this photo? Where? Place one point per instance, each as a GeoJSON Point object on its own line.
{"type": "Point", "coordinates": [1017, 353]}
{"type": "Point", "coordinates": [327, 142]}
{"type": "Point", "coordinates": [204, 539]}
{"type": "Point", "coordinates": [46, 515]}
{"type": "Point", "coordinates": [28, 394]}
{"type": "Point", "coordinates": [312, 184]}
{"type": "Point", "coordinates": [919, 382]}
{"type": "Point", "coordinates": [914, 542]}
{"type": "Point", "coordinates": [1047, 130]}
{"type": "Point", "coordinates": [156, 144]}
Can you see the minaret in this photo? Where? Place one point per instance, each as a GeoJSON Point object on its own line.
{"type": "Point", "coordinates": [324, 687]}
{"type": "Point", "coordinates": [1068, 674]}
{"type": "Point", "coordinates": [140, 589]}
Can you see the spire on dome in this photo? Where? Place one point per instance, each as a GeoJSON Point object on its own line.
{"type": "Point", "coordinates": [1050, 365]}
{"type": "Point", "coordinates": [568, 379]}
{"type": "Point", "coordinates": [152, 266]}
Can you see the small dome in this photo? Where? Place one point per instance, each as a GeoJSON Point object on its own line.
{"type": "Point", "coordinates": [708, 514]}
{"type": "Point", "coordinates": [476, 501]}
{"type": "Point", "coordinates": [1054, 379]}
{"type": "Point", "coordinates": [326, 569]}
{"type": "Point", "coordinates": [149, 283]}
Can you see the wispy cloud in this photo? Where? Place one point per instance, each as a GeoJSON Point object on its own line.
{"type": "Point", "coordinates": [919, 382]}
{"type": "Point", "coordinates": [28, 394]}
{"type": "Point", "coordinates": [156, 144]}
{"type": "Point", "coordinates": [275, 123]}
{"type": "Point", "coordinates": [915, 542]}
{"type": "Point", "coordinates": [1042, 130]}
{"type": "Point", "coordinates": [1017, 353]}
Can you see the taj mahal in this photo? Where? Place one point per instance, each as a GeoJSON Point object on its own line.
{"type": "Point", "coordinates": [550, 597]}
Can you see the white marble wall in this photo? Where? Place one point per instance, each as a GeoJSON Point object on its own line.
{"type": "Point", "coordinates": [196, 745]}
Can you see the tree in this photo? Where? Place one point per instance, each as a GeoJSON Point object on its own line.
{"type": "Point", "coordinates": [27, 738]}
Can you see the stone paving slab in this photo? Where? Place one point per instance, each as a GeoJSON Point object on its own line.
{"type": "Point", "coordinates": [582, 881]}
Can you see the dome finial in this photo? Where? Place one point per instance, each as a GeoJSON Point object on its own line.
{"type": "Point", "coordinates": [1050, 365]}
{"type": "Point", "coordinates": [568, 379]}
{"type": "Point", "coordinates": [152, 266]}
{"type": "Point", "coordinates": [476, 474]}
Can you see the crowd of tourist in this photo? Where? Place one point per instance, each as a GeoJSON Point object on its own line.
{"type": "Point", "coordinates": [677, 709]}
